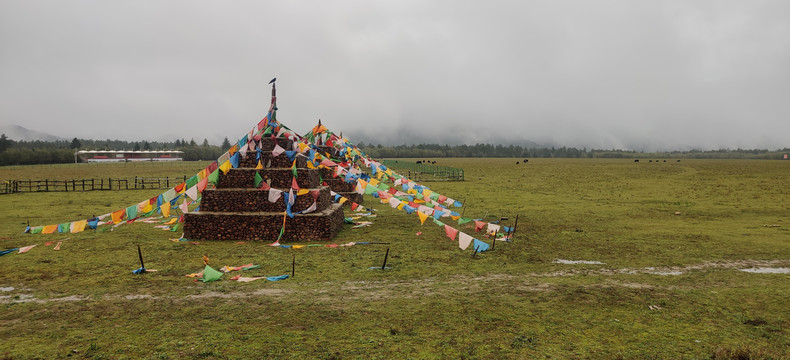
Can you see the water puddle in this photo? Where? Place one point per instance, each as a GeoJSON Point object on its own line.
{"type": "Point", "coordinates": [767, 270]}
{"type": "Point", "coordinates": [574, 262]}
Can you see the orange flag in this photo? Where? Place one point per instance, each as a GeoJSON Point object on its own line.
{"type": "Point", "coordinates": [49, 229]}
{"type": "Point", "coordinates": [117, 216]}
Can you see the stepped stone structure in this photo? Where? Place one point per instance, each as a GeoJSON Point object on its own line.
{"type": "Point", "coordinates": [237, 210]}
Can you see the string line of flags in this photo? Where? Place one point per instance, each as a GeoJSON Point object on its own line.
{"type": "Point", "coordinates": [380, 182]}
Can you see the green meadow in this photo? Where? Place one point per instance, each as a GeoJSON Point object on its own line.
{"type": "Point", "coordinates": [671, 239]}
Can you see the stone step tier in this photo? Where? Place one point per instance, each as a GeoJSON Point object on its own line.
{"type": "Point", "coordinates": [264, 226]}
{"type": "Point", "coordinates": [279, 178]}
{"type": "Point", "coordinates": [255, 200]}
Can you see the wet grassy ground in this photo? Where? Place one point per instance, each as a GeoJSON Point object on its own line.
{"type": "Point", "coordinates": [672, 237]}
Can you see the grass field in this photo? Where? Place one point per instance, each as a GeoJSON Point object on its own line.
{"type": "Point", "coordinates": [672, 236]}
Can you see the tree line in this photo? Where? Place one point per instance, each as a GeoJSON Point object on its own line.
{"type": "Point", "coordinates": [516, 151]}
{"type": "Point", "coordinates": [62, 151]}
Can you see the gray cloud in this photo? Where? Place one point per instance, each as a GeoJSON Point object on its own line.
{"type": "Point", "coordinates": [604, 74]}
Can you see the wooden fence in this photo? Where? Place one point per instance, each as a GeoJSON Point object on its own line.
{"type": "Point", "coordinates": [425, 172]}
{"type": "Point", "coordinates": [21, 186]}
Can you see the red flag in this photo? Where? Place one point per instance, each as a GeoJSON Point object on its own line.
{"type": "Point", "coordinates": [479, 225]}
{"type": "Point", "coordinates": [354, 206]}
{"type": "Point", "coordinates": [294, 185]}
{"type": "Point", "coordinates": [450, 231]}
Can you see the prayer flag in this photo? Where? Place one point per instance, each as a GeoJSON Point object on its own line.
{"type": "Point", "coordinates": [258, 179]}
{"type": "Point", "coordinates": [274, 195]}
{"type": "Point", "coordinates": [422, 217]}
{"type": "Point", "coordinates": [117, 216]}
{"type": "Point", "coordinates": [78, 226]}
{"type": "Point", "coordinates": [25, 249]}
{"type": "Point", "coordinates": [480, 246]}
{"type": "Point", "coordinates": [464, 240]}
{"type": "Point", "coordinates": [210, 274]}
{"type": "Point", "coordinates": [234, 160]}
{"type": "Point", "coordinates": [202, 185]}
{"type": "Point", "coordinates": [193, 192]}
{"type": "Point", "coordinates": [214, 177]}
{"type": "Point", "coordinates": [225, 167]}
{"type": "Point", "coordinates": [450, 231]}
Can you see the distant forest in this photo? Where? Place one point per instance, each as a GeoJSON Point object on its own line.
{"type": "Point", "coordinates": [58, 152]}
{"type": "Point", "coordinates": [516, 151]}
{"type": "Point", "coordinates": [61, 152]}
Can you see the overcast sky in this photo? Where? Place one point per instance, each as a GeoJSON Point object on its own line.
{"type": "Point", "coordinates": [606, 74]}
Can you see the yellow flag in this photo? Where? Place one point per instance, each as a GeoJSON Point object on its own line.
{"type": "Point", "coordinates": [422, 217]}
{"type": "Point", "coordinates": [401, 205]}
{"type": "Point", "coordinates": [342, 200]}
{"type": "Point", "coordinates": [374, 182]}
{"type": "Point", "coordinates": [78, 226]}
{"type": "Point", "coordinates": [202, 174]}
{"type": "Point", "coordinates": [302, 191]}
{"type": "Point", "coordinates": [146, 208]}
{"type": "Point", "coordinates": [49, 229]}
{"type": "Point", "coordinates": [165, 209]}
{"type": "Point", "coordinates": [225, 167]}
{"type": "Point", "coordinates": [259, 166]}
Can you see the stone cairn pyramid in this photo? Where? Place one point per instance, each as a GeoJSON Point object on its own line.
{"type": "Point", "coordinates": [241, 206]}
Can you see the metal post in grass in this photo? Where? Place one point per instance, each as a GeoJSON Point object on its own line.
{"type": "Point", "coordinates": [386, 255]}
{"type": "Point", "coordinates": [463, 210]}
{"type": "Point", "coordinates": [475, 253]}
{"type": "Point", "coordinates": [293, 265]}
{"type": "Point", "coordinates": [140, 254]}
{"type": "Point", "coordinates": [513, 232]}
{"type": "Point", "coordinates": [493, 244]}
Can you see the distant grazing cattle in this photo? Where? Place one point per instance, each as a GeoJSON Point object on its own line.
{"type": "Point", "coordinates": [526, 160]}
{"type": "Point", "coordinates": [636, 160]}
{"type": "Point", "coordinates": [650, 161]}
{"type": "Point", "coordinates": [678, 160]}
{"type": "Point", "coordinates": [665, 161]}
{"type": "Point", "coordinates": [419, 162]}
{"type": "Point", "coordinates": [434, 162]}
{"type": "Point", "coordinates": [516, 162]}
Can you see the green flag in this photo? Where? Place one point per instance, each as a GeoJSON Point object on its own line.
{"type": "Point", "coordinates": [258, 179]}
{"type": "Point", "coordinates": [131, 212]}
{"type": "Point", "coordinates": [192, 181]}
{"type": "Point", "coordinates": [214, 177]}
{"type": "Point", "coordinates": [463, 220]}
{"type": "Point", "coordinates": [210, 274]}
